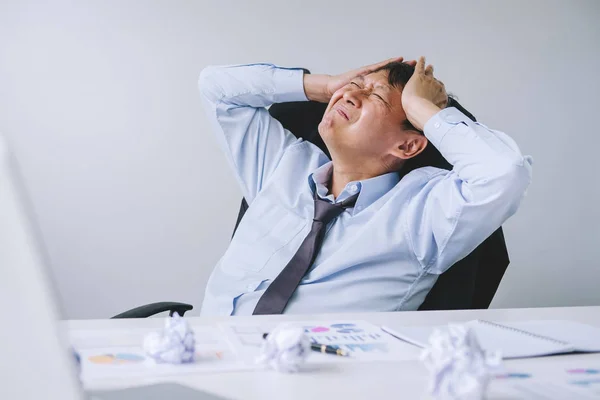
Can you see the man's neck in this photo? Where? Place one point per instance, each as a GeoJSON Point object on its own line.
{"type": "Point", "coordinates": [340, 177]}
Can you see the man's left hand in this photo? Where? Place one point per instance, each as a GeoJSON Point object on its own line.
{"type": "Point", "coordinates": [423, 96]}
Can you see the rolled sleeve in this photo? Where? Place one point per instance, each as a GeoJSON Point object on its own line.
{"type": "Point", "coordinates": [458, 210]}
{"type": "Point", "coordinates": [289, 85]}
{"type": "Point", "coordinates": [441, 123]}
{"type": "Point", "coordinates": [235, 99]}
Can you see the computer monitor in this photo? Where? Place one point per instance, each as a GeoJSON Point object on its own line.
{"type": "Point", "coordinates": [36, 361]}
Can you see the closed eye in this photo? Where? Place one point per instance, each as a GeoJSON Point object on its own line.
{"type": "Point", "coordinates": [374, 94]}
{"type": "Point", "coordinates": [385, 103]}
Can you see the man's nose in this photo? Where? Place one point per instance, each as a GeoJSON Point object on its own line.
{"type": "Point", "coordinates": [354, 97]}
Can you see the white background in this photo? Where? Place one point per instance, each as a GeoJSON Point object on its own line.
{"type": "Point", "coordinates": [134, 199]}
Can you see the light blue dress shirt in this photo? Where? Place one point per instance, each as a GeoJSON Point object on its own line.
{"type": "Point", "coordinates": [384, 254]}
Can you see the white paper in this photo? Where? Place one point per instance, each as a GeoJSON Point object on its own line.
{"type": "Point", "coordinates": [556, 378]}
{"type": "Point", "coordinates": [543, 390]}
{"type": "Point", "coordinates": [212, 354]}
{"type": "Point", "coordinates": [581, 337]}
{"type": "Point", "coordinates": [515, 344]}
{"type": "Point", "coordinates": [363, 341]}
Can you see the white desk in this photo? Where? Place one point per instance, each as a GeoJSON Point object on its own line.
{"type": "Point", "coordinates": [377, 380]}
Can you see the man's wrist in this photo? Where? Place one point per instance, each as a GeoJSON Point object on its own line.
{"type": "Point", "coordinates": [420, 111]}
{"type": "Point", "coordinates": [315, 87]}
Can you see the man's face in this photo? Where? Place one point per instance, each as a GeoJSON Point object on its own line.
{"type": "Point", "coordinates": [363, 120]}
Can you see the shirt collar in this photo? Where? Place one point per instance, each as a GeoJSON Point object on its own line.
{"type": "Point", "coordinates": [370, 189]}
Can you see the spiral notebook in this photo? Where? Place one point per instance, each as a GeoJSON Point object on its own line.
{"type": "Point", "coordinates": [516, 339]}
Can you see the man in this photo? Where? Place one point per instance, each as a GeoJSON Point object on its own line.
{"type": "Point", "coordinates": [346, 234]}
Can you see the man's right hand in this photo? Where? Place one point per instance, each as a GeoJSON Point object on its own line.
{"type": "Point", "coordinates": [320, 87]}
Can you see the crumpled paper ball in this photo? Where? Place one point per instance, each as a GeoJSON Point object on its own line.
{"type": "Point", "coordinates": [175, 344]}
{"type": "Point", "coordinates": [459, 367]}
{"type": "Point", "coordinates": [285, 349]}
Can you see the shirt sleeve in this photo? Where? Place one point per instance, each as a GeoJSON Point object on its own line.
{"type": "Point", "coordinates": [456, 211]}
{"type": "Point", "coordinates": [235, 99]}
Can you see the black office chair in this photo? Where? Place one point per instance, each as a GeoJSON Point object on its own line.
{"type": "Point", "coordinates": [149, 310]}
{"type": "Point", "coordinates": [471, 283]}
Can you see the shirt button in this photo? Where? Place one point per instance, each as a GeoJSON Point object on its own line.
{"type": "Point", "coordinates": [437, 125]}
{"type": "Point", "coordinates": [359, 208]}
{"type": "Point", "coordinates": [353, 188]}
{"type": "Point", "coordinates": [453, 118]}
{"type": "Point", "coordinates": [250, 287]}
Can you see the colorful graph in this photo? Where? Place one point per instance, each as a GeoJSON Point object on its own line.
{"type": "Point", "coordinates": [347, 336]}
{"type": "Point", "coordinates": [367, 347]}
{"type": "Point", "coordinates": [513, 375]}
{"type": "Point", "coordinates": [317, 329]}
{"type": "Point", "coordinates": [339, 333]}
{"type": "Point", "coordinates": [586, 382]}
{"type": "Point", "coordinates": [336, 328]}
{"type": "Point", "coordinates": [208, 356]}
{"type": "Point", "coordinates": [116, 359]}
{"type": "Point", "coordinates": [583, 371]}
{"type": "Point", "coordinates": [131, 358]}
{"type": "Point", "coordinates": [346, 328]}
{"type": "Point", "coordinates": [328, 338]}
{"type": "Point", "coordinates": [360, 339]}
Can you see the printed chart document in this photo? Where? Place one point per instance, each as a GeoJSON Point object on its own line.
{"type": "Point", "coordinates": [362, 340]}
{"type": "Point", "coordinates": [231, 346]}
{"type": "Point", "coordinates": [122, 354]}
{"type": "Point", "coordinates": [549, 379]}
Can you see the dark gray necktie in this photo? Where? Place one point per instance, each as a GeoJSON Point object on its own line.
{"type": "Point", "coordinates": [279, 292]}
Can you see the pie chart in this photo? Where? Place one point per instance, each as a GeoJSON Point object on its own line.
{"type": "Point", "coordinates": [116, 359]}
{"type": "Point", "coordinates": [346, 328]}
{"type": "Point", "coordinates": [318, 329]}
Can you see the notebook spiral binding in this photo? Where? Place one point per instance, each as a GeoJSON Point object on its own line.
{"type": "Point", "coordinates": [535, 335]}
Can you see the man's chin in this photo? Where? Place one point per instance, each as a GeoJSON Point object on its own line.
{"type": "Point", "coordinates": [326, 122]}
{"type": "Point", "coordinates": [330, 131]}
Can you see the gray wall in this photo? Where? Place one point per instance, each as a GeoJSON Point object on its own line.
{"type": "Point", "coordinates": [135, 201]}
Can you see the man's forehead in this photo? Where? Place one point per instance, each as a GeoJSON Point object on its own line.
{"type": "Point", "coordinates": [377, 79]}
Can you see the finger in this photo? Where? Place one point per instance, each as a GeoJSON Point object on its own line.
{"type": "Point", "coordinates": [420, 67]}
{"type": "Point", "coordinates": [393, 59]}
{"type": "Point", "coordinates": [380, 64]}
{"type": "Point", "coordinates": [412, 63]}
{"type": "Point", "coordinates": [429, 70]}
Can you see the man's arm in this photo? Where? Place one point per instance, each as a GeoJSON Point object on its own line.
{"type": "Point", "coordinates": [235, 98]}
{"type": "Point", "coordinates": [457, 211]}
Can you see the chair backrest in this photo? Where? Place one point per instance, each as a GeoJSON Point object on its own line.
{"type": "Point", "coordinates": [470, 283]}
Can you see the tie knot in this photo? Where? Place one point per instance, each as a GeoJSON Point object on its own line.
{"type": "Point", "coordinates": [325, 212]}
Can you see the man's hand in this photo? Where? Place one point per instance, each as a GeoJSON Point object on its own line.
{"type": "Point", "coordinates": [423, 96]}
{"type": "Point", "coordinates": [322, 87]}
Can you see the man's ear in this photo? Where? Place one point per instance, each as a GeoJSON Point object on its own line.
{"type": "Point", "coordinates": [412, 145]}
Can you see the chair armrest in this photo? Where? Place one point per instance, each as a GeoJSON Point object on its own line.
{"type": "Point", "coordinates": [148, 310]}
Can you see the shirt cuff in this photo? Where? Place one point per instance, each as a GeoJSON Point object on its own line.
{"type": "Point", "coordinates": [440, 124]}
{"type": "Point", "coordinates": [289, 85]}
